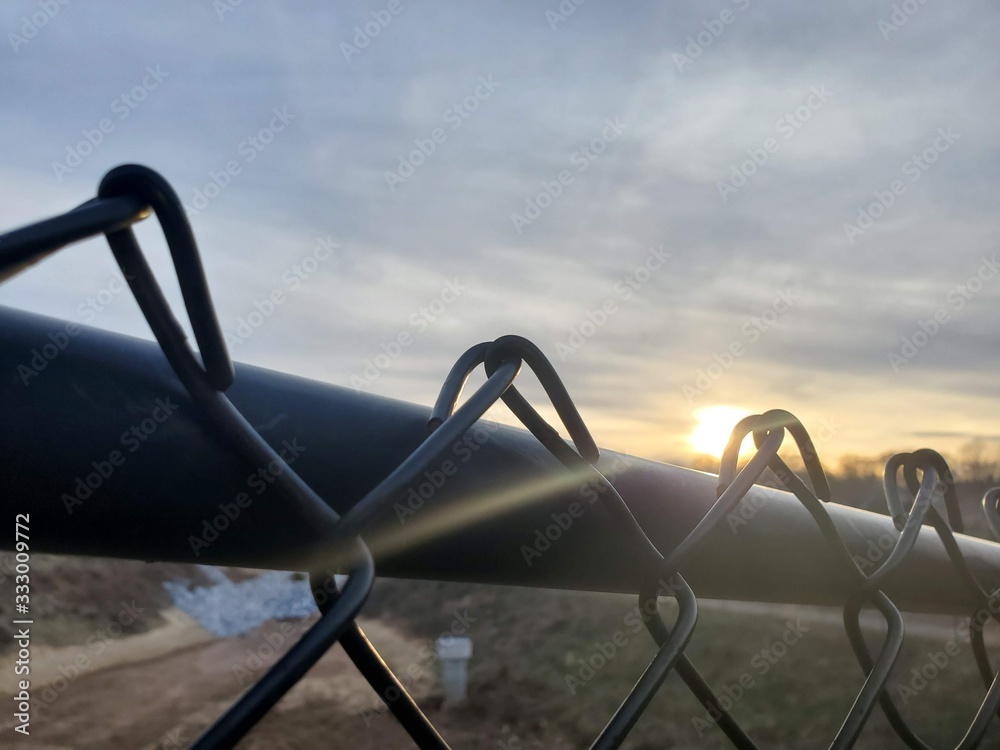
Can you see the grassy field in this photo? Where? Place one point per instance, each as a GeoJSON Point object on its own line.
{"type": "Point", "coordinates": [549, 669]}
{"type": "Point", "coordinates": [530, 642]}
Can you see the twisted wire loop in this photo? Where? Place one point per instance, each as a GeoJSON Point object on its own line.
{"type": "Point", "coordinates": [127, 194]}
{"type": "Point", "coordinates": [768, 429]}
{"type": "Point", "coordinates": [989, 604]}
{"type": "Point", "coordinates": [935, 474]}
{"type": "Point", "coordinates": [991, 508]}
{"type": "Point", "coordinates": [581, 459]}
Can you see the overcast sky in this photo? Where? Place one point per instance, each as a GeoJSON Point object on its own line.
{"type": "Point", "coordinates": [639, 188]}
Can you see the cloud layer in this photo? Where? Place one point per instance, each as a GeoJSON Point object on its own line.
{"type": "Point", "coordinates": [815, 179]}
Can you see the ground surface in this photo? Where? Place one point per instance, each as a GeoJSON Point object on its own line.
{"type": "Point", "coordinates": [160, 681]}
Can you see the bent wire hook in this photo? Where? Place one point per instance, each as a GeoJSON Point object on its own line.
{"type": "Point", "coordinates": [126, 195]}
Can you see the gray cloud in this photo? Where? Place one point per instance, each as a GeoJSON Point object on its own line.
{"type": "Point", "coordinates": [656, 184]}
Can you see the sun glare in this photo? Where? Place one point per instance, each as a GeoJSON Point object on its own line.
{"type": "Point", "coordinates": [715, 423]}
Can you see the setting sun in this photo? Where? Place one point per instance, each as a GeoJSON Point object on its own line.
{"type": "Point", "coordinates": [715, 423]}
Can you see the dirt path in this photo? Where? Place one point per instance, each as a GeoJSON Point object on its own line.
{"type": "Point", "coordinates": [160, 690]}
{"type": "Point", "coordinates": [48, 663]}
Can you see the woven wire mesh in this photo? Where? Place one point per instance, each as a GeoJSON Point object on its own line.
{"type": "Point", "coordinates": [129, 193]}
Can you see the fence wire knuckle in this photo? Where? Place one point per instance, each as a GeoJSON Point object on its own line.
{"type": "Point", "coordinates": [131, 193]}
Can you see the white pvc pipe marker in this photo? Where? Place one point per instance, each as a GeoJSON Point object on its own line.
{"type": "Point", "coordinates": [454, 653]}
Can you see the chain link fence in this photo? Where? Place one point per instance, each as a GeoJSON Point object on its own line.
{"type": "Point", "coordinates": [130, 193]}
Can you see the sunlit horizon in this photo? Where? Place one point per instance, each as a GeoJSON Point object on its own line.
{"type": "Point", "coordinates": [656, 281]}
{"type": "Point", "coordinates": [713, 429]}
